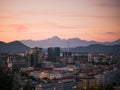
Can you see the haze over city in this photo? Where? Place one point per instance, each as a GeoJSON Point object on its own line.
{"type": "Point", "coordinates": [97, 20]}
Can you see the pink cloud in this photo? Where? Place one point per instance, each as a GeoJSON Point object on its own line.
{"type": "Point", "coordinates": [70, 14]}
{"type": "Point", "coordinates": [53, 25]}
{"type": "Point", "coordinates": [15, 27]}
{"type": "Point", "coordinates": [111, 33]}
{"type": "Point", "coordinates": [108, 3]}
{"type": "Point", "coordinates": [21, 28]}
{"type": "Point", "coordinates": [6, 17]}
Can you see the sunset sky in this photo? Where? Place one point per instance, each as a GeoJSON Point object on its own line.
{"type": "Point", "coordinates": [97, 20]}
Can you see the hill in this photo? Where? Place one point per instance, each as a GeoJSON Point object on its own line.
{"type": "Point", "coordinates": [13, 47]}
{"type": "Point", "coordinates": [98, 48]}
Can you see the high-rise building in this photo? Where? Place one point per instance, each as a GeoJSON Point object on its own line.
{"type": "Point", "coordinates": [90, 57]}
{"type": "Point", "coordinates": [36, 57]}
{"type": "Point", "coordinates": [54, 54]}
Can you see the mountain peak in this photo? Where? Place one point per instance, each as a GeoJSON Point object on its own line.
{"type": "Point", "coordinates": [56, 41]}
{"type": "Point", "coordinates": [15, 42]}
{"type": "Point", "coordinates": [55, 37]}
{"type": "Point", "coordinates": [2, 42]}
{"type": "Point", "coordinates": [74, 39]}
{"type": "Point", "coordinates": [117, 40]}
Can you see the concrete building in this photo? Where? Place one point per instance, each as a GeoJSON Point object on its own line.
{"type": "Point", "coordinates": [59, 75]}
{"type": "Point", "coordinates": [36, 57]}
{"type": "Point", "coordinates": [9, 62]}
{"type": "Point", "coordinates": [90, 58]}
{"type": "Point", "coordinates": [54, 54]}
{"type": "Point", "coordinates": [35, 74]}
{"type": "Point", "coordinates": [67, 84]}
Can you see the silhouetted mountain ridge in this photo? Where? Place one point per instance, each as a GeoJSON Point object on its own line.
{"type": "Point", "coordinates": [97, 48]}
{"type": "Point", "coordinates": [57, 42]}
{"type": "Point", "coordinates": [17, 46]}
{"type": "Point", "coordinates": [13, 47]}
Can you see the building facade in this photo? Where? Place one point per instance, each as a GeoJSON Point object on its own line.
{"type": "Point", "coordinates": [36, 57]}
{"type": "Point", "coordinates": [54, 54]}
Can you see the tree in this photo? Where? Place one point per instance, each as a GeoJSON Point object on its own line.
{"type": "Point", "coordinates": [6, 82]}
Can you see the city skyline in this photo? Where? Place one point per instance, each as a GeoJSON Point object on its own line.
{"type": "Point", "coordinates": [97, 20]}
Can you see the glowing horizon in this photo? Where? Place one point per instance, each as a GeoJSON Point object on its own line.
{"type": "Point", "coordinates": [97, 20]}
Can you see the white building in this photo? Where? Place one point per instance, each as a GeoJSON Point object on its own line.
{"type": "Point", "coordinates": [35, 74]}
{"type": "Point", "coordinates": [90, 57]}
{"type": "Point", "coordinates": [57, 75]}
{"type": "Point", "coordinates": [100, 79]}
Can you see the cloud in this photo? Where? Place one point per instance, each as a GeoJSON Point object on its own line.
{"type": "Point", "coordinates": [108, 3]}
{"type": "Point", "coordinates": [3, 31]}
{"type": "Point", "coordinates": [25, 27]}
{"type": "Point", "coordinates": [70, 14]}
{"type": "Point", "coordinates": [6, 17]}
{"type": "Point", "coordinates": [110, 33]}
{"type": "Point", "coordinates": [19, 27]}
{"type": "Point", "coordinates": [53, 25]}
{"type": "Point", "coordinates": [61, 26]}
{"type": "Point", "coordinates": [14, 27]}
{"type": "Point", "coordinates": [6, 14]}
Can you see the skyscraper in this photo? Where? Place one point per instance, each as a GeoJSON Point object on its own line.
{"type": "Point", "coordinates": [54, 54]}
{"type": "Point", "coordinates": [36, 57]}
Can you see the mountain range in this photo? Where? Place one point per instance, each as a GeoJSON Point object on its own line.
{"type": "Point", "coordinates": [18, 47]}
{"type": "Point", "coordinates": [13, 47]}
{"type": "Point", "coordinates": [97, 48]}
{"type": "Point", "coordinates": [63, 43]}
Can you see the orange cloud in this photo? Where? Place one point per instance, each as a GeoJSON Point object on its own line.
{"type": "Point", "coordinates": [70, 14]}
{"type": "Point", "coordinates": [20, 28]}
{"type": "Point", "coordinates": [55, 25]}
{"type": "Point", "coordinates": [15, 27]}
{"type": "Point", "coordinates": [6, 17]}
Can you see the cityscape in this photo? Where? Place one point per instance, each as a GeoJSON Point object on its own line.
{"type": "Point", "coordinates": [59, 45]}
{"type": "Point", "coordinates": [57, 69]}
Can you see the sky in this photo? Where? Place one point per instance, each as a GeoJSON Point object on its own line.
{"type": "Point", "coordinates": [97, 20]}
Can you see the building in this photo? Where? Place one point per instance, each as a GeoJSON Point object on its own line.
{"type": "Point", "coordinates": [100, 79]}
{"type": "Point", "coordinates": [16, 66]}
{"type": "Point", "coordinates": [90, 58]}
{"type": "Point", "coordinates": [3, 60]}
{"type": "Point", "coordinates": [9, 62]}
{"type": "Point", "coordinates": [66, 54]}
{"type": "Point", "coordinates": [44, 74]}
{"type": "Point", "coordinates": [67, 84]}
{"type": "Point", "coordinates": [35, 74]}
{"type": "Point", "coordinates": [35, 57]}
{"type": "Point", "coordinates": [54, 54]}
